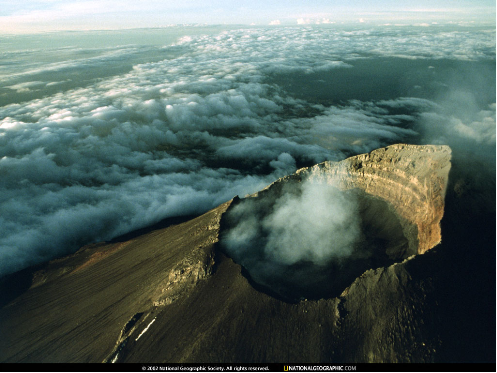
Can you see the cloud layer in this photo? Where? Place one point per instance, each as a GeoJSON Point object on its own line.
{"type": "Point", "coordinates": [182, 133]}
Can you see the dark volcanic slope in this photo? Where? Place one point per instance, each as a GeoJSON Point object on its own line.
{"type": "Point", "coordinates": [78, 317]}
{"type": "Point", "coordinates": [78, 313]}
{"type": "Point", "coordinates": [171, 296]}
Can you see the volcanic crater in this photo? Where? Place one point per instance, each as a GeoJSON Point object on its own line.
{"type": "Point", "coordinates": [381, 242]}
{"type": "Point", "coordinates": [396, 192]}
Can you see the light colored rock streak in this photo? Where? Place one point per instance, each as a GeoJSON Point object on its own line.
{"type": "Point", "coordinates": [144, 330]}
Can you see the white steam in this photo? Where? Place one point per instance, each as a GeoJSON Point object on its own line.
{"type": "Point", "coordinates": [299, 241]}
{"type": "Point", "coordinates": [319, 225]}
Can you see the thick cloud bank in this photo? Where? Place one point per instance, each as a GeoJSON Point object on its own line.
{"type": "Point", "coordinates": [96, 142]}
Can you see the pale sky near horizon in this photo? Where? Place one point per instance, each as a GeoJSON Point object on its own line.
{"type": "Point", "coordinates": [45, 15]}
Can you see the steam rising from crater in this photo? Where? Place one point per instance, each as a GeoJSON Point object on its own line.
{"type": "Point", "coordinates": [315, 223]}
{"type": "Point", "coordinates": [319, 225]}
{"type": "Point", "coordinates": [289, 242]}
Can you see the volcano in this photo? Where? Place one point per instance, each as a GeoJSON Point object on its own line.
{"type": "Point", "coordinates": [178, 294]}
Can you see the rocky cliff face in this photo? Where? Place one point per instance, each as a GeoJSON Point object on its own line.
{"type": "Point", "coordinates": [413, 179]}
{"type": "Point", "coordinates": [171, 295]}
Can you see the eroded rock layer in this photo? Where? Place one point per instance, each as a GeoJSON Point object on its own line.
{"type": "Point", "coordinates": [412, 178]}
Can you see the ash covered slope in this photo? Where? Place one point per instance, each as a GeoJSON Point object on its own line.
{"type": "Point", "coordinates": [76, 307]}
{"type": "Point", "coordinates": [172, 296]}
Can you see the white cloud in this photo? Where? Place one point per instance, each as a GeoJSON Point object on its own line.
{"type": "Point", "coordinates": [275, 22]}
{"type": "Point", "coordinates": [316, 21]}
{"type": "Point", "coordinates": [202, 124]}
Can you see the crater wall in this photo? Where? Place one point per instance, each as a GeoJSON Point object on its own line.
{"type": "Point", "coordinates": [411, 178]}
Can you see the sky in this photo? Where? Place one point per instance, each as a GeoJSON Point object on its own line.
{"type": "Point", "coordinates": [48, 15]}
